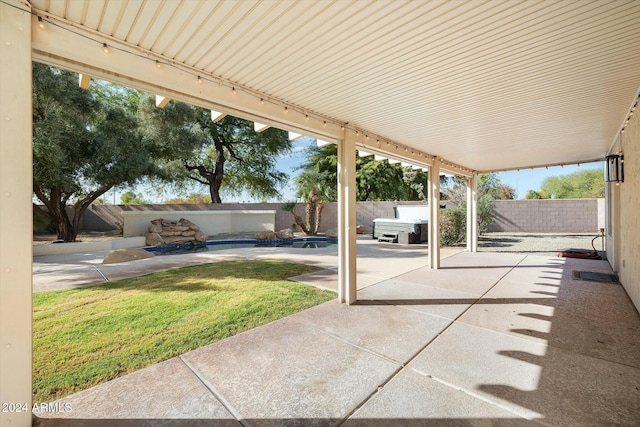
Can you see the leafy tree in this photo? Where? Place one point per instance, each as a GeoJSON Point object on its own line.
{"type": "Point", "coordinates": [131, 198]}
{"type": "Point", "coordinates": [192, 199]}
{"type": "Point", "coordinates": [583, 184]}
{"type": "Point", "coordinates": [84, 143]}
{"type": "Point", "coordinates": [489, 184]}
{"type": "Point", "coordinates": [227, 156]}
{"type": "Point", "coordinates": [532, 194]}
{"type": "Point", "coordinates": [313, 213]}
{"type": "Point", "coordinates": [375, 180]}
{"type": "Point", "coordinates": [453, 228]}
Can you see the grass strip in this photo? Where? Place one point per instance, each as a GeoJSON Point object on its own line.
{"type": "Point", "coordinates": [86, 336]}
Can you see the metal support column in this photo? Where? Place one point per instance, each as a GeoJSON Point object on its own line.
{"type": "Point", "coordinates": [16, 227]}
{"type": "Point", "coordinates": [347, 218]}
{"type": "Point", "coordinates": [434, 215]}
{"type": "Point", "coordinates": [472, 213]}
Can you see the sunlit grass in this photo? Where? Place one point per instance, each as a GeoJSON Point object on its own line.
{"type": "Point", "coordinates": [83, 337]}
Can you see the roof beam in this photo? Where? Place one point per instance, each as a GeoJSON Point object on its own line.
{"type": "Point", "coordinates": [84, 80]}
{"type": "Point", "coordinates": [162, 101]}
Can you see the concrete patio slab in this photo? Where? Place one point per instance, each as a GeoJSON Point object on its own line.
{"type": "Point", "coordinates": [288, 373]}
{"type": "Point", "coordinates": [527, 320]}
{"type": "Point", "coordinates": [528, 345]}
{"type": "Point", "coordinates": [455, 280]}
{"type": "Point", "coordinates": [168, 390]}
{"type": "Point", "coordinates": [436, 301]}
{"type": "Point", "coordinates": [413, 399]}
{"type": "Point", "coordinates": [388, 331]}
{"type": "Point", "coordinates": [531, 379]}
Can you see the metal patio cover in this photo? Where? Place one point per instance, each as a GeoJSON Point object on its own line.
{"type": "Point", "coordinates": [489, 85]}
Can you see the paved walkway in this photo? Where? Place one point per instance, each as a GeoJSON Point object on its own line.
{"type": "Point", "coordinates": [53, 272]}
{"type": "Point", "coordinates": [490, 339]}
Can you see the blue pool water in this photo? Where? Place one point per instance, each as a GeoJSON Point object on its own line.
{"type": "Point", "coordinates": [298, 242]}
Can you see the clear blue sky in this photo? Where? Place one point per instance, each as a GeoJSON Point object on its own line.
{"type": "Point", "coordinates": [522, 181]}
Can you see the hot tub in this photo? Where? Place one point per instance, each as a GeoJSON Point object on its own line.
{"type": "Point", "coordinates": [408, 219]}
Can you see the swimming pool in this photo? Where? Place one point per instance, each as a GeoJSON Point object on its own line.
{"type": "Point", "coordinates": [298, 242]}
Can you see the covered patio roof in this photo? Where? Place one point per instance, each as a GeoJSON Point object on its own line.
{"type": "Point", "coordinates": [487, 85]}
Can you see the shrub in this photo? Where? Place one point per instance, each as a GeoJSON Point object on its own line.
{"type": "Point", "coordinates": [453, 226]}
{"type": "Point", "coordinates": [485, 213]}
{"type": "Point", "coordinates": [453, 222]}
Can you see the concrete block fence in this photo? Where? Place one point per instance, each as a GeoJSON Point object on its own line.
{"type": "Point", "coordinates": [548, 215]}
{"type": "Point", "coordinates": [536, 216]}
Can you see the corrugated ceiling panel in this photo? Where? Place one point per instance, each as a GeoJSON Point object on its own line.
{"type": "Point", "coordinates": [169, 41]}
{"type": "Point", "coordinates": [77, 10]}
{"type": "Point", "coordinates": [129, 15]}
{"type": "Point", "coordinates": [275, 41]}
{"type": "Point", "coordinates": [93, 14]}
{"type": "Point", "coordinates": [144, 21]}
{"type": "Point", "coordinates": [159, 22]}
{"type": "Point", "coordinates": [186, 26]}
{"type": "Point", "coordinates": [489, 84]}
{"type": "Point", "coordinates": [246, 42]}
{"type": "Point", "coordinates": [211, 28]}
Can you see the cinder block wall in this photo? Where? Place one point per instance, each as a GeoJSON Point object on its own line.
{"type": "Point", "coordinates": [535, 216]}
{"type": "Point", "coordinates": [109, 217]}
{"type": "Point", "coordinates": [547, 215]}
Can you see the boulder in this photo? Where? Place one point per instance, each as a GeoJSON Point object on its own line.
{"type": "Point", "coordinates": [177, 240]}
{"type": "Point", "coordinates": [178, 228]}
{"type": "Point", "coordinates": [186, 223]}
{"type": "Point", "coordinates": [360, 229]}
{"type": "Point", "coordinates": [165, 232]}
{"type": "Point", "coordinates": [153, 239]}
{"type": "Point", "coordinates": [287, 233]}
{"type": "Point", "coordinates": [265, 235]}
{"type": "Point", "coordinates": [332, 232]}
{"type": "Point", "coordinates": [155, 228]}
{"type": "Point", "coordinates": [124, 255]}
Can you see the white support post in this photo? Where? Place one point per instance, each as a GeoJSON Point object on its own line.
{"type": "Point", "coordinates": [472, 213]}
{"type": "Point", "coordinates": [347, 218]}
{"type": "Point", "coordinates": [434, 215]}
{"type": "Point", "coordinates": [15, 211]}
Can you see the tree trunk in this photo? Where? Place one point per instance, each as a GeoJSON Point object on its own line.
{"type": "Point", "coordinates": [311, 211]}
{"type": "Point", "coordinates": [301, 224]}
{"type": "Point", "coordinates": [215, 179]}
{"type": "Point", "coordinates": [214, 190]}
{"type": "Point", "coordinates": [81, 206]}
{"type": "Point", "coordinates": [318, 216]}
{"type": "Point", "coordinates": [56, 203]}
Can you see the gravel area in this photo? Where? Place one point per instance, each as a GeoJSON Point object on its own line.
{"type": "Point", "coordinates": [546, 244]}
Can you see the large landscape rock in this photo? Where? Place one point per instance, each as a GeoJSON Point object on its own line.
{"type": "Point", "coordinates": [332, 232]}
{"type": "Point", "coordinates": [287, 233]}
{"type": "Point", "coordinates": [153, 239]}
{"type": "Point", "coordinates": [166, 232]}
{"type": "Point", "coordinates": [265, 235]}
{"type": "Point", "coordinates": [124, 255]}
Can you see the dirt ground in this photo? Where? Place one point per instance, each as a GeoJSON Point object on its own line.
{"type": "Point", "coordinates": [84, 236]}
{"type": "Point", "coordinates": [547, 244]}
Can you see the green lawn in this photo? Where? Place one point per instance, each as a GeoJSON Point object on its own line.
{"type": "Point", "coordinates": [86, 336]}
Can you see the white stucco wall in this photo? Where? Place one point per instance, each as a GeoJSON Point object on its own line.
{"type": "Point", "coordinates": [625, 213]}
{"type": "Point", "coordinates": [211, 223]}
